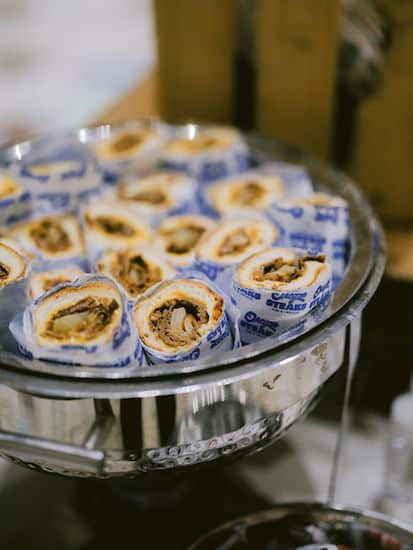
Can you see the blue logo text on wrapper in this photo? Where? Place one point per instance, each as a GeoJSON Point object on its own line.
{"type": "Point", "coordinates": [321, 294]}
{"type": "Point", "coordinates": [326, 213]}
{"type": "Point", "coordinates": [339, 249]}
{"type": "Point", "coordinates": [257, 326]}
{"type": "Point", "coordinates": [287, 301]}
{"type": "Point", "coordinates": [219, 334]}
{"type": "Point", "coordinates": [295, 212]}
{"type": "Point", "coordinates": [313, 242]}
{"type": "Point", "coordinates": [248, 293]}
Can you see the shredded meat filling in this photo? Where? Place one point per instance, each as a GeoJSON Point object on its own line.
{"type": "Point", "coordinates": [113, 226]}
{"type": "Point", "coordinates": [152, 196]}
{"type": "Point", "coordinates": [134, 273]}
{"type": "Point", "coordinates": [49, 235]}
{"type": "Point", "coordinates": [281, 271]}
{"type": "Point", "coordinates": [184, 239]}
{"type": "Point", "coordinates": [199, 143]}
{"type": "Point", "coordinates": [235, 242]}
{"type": "Point", "coordinates": [4, 272]}
{"type": "Point", "coordinates": [125, 142]}
{"type": "Point", "coordinates": [248, 194]}
{"type": "Point", "coordinates": [87, 318]}
{"type": "Point", "coordinates": [177, 321]}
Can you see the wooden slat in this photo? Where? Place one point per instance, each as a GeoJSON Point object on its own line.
{"type": "Point", "coordinates": [400, 254]}
{"type": "Point", "coordinates": [296, 62]}
{"type": "Point", "coordinates": [195, 55]}
{"type": "Point", "coordinates": [383, 157]}
{"type": "Point", "coordinates": [141, 101]}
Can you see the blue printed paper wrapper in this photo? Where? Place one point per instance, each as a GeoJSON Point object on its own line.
{"type": "Point", "coordinates": [59, 177]}
{"type": "Point", "coordinates": [254, 190]}
{"type": "Point", "coordinates": [221, 335]}
{"type": "Point", "coordinates": [320, 224]}
{"type": "Point", "coordinates": [13, 295]}
{"type": "Point", "coordinates": [209, 155]}
{"type": "Point", "coordinates": [115, 344]}
{"type": "Point", "coordinates": [268, 304]}
{"type": "Point", "coordinates": [15, 201]}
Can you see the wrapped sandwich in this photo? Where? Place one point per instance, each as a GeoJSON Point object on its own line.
{"type": "Point", "coordinates": [209, 154]}
{"type": "Point", "coordinates": [135, 269]}
{"type": "Point", "coordinates": [182, 319]}
{"type": "Point", "coordinates": [230, 242]}
{"type": "Point", "coordinates": [14, 272]}
{"type": "Point", "coordinates": [58, 177]}
{"type": "Point", "coordinates": [113, 225]}
{"type": "Point", "coordinates": [178, 236]}
{"type": "Point", "coordinates": [275, 287]}
{"type": "Point", "coordinates": [159, 194]}
{"type": "Point", "coordinates": [131, 147]}
{"type": "Point", "coordinates": [318, 223]}
{"type": "Point", "coordinates": [255, 190]}
{"type": "Point", "coordinates": [51, 239]}
{"type": "Point", "coordinates": [85, 322]}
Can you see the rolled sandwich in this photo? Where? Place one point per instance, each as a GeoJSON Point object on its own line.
{"type": "Point", "coordinates": [136, 269]}
{"type": "Point", "coordinates": [113, 225]}
{"type": "Point", "coordinates": [208, 154]}
{"type": "Point", "coordinates": [256, 189]}
{"type": "Point", "coordinates": [160, 193]}
{"type": "Point", "coordinates": [248, 191]}
{"type": "Point", "coordinates": [85, 322]}
{"type": "Point", "coordinates": [233, 240]}
{"type": "Point", "coordinates": [14, 271]}
{"type": "Point", "coordinates": [320, 224]}
{"type": "Point", "coordinates": [51, 239]}
{"type": "Point", "coordinates": [129, 147]}
{"type": "Point", "coordinates": [182, 319]}
{"type": "Point", "coordinates": [177, 237]}
{"type": "Point", "coordinates": [43, 281]}
{"type": "Point", "coordinates": [59, 177]}
{"type": "Point", "coordinates": [275, 287]}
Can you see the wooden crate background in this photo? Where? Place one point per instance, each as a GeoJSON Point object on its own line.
{"type": "Point", "coordinates": [296, 54]}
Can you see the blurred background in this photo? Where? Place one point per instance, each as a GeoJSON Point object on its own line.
{"type": "Point", "coordinates": [62, 64]}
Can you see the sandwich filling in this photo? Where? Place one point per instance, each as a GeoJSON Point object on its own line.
{"type": "Point", "coordinates": [134, 273]}
{"type": "Point", "coordinates": [50, 236]}
{"type": "Point", "coordinates": [183, 239]}
{"type": "Point", "coordinates": [249, 193]}
{"type": "Point", "coordinates": [111, 225]}
{"type": "Point", "coordinates": [177, 322]}
{"type": "Point", "coordinates": [4, 272]}
{"type": "Point", "coordinates": [86, 318]}
{"type": "Point", "coordinates": [235, 242]}
{"type": "Point", "coordinates": [280, 270]}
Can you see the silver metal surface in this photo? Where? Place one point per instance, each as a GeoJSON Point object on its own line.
{"type": "Point", "coordinates": [350, 519]}
{"type": "Point", "coordinates": [174, 417]}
